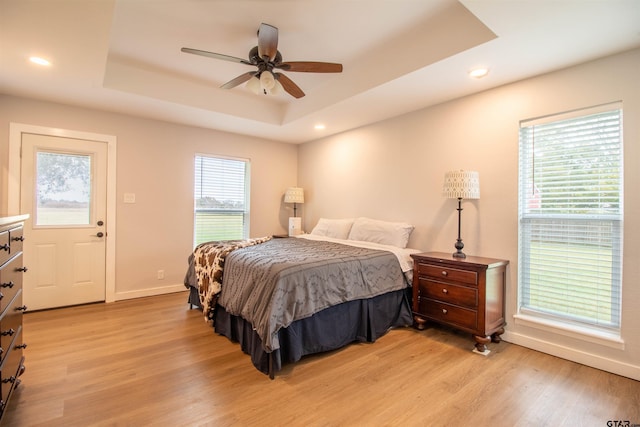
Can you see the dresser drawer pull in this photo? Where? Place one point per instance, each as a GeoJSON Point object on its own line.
{"type": "Point", "coordinates": [7, 285]}
{"type": "Point", "coordinates": [445, 291]}
{"type": "Point", "coordinates": [23, 269]}
{"type": "Point", "coordinates": [10, 332]}
{"type": "Point", "coordinates": [21, 346]}
{"type": "Point", "coordinates": [5, 247]}
{"type": "Point", "coordinates": [444, 311]}
{"type": "Point", "coordinates": [21, 308]}
{"type": "Point", "coordinates": [11, 379]}
{"type": "Point", "coordinates": [445, 273]}
{"type": "Point", "coordinates": [18, 239]}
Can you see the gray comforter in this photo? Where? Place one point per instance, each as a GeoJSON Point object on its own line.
{"type": "Point", "coordinates": [283, 280]}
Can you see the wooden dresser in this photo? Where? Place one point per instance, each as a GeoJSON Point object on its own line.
{"type": "Point", "coordinates": [465, 293]}
{"type": "Point", "coordinates": [11, 307]}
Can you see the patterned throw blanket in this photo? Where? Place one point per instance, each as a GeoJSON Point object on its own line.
{"type": "Point", "coordinates": [209, 268]}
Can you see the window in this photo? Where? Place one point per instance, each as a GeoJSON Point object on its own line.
{"type": "Point", "coordinates": [570, 218]}
{"type": "Point", "coordinates": [221, 209]}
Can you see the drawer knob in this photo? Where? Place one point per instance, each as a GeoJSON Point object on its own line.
{"type": "Point", "coordinates": [18, 239]}
{"type": "Point", "coordinates": [23, 269]}
{"type": "Point", "coordinates": [445, 273]}
{"type": "Point", "coordinates": [7, 285]}
{"type": "Point", "coordinates": [10, 332]}
{"type": "Point", "coordinates": [444, 311]}
{"type": "Point", "coordinates": [11, 379]}
{"type": "Point", "coordinates": [5, 247]}
{"type": "Point", "coordinates": [445, 291]}
{"type": "Point", "coordinates": [21, 346]}
{"type": "Point", "coordinates": [21, 308]}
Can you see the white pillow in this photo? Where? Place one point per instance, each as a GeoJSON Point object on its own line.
{"type": "Point", "coordinates": [383, 232]}
{"type": "Point", "coordinates": [336, 228]}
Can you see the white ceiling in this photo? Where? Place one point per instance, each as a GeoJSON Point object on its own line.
{"type": "Point", "coordinates": [398, 55]}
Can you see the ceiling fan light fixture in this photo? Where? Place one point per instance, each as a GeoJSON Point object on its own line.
{"type": "Point", "coordinates": [277, 88]}
{"type": "Point", "coordinates": [253, 84]}
{"type": "Point", "coordinates": [267, 80]}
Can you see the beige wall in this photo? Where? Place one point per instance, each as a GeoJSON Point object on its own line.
{"type": "Point", "coordinates": [393, 170]}
{"type": "Point", "coordinates": [155, 161]}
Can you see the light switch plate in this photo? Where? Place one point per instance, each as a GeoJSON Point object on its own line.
{"type": "Point", "coordinates": [129, 197]}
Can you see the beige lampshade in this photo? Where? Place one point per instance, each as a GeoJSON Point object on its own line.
{"type": "Point", "coordinates": [461, 184]}
{"type": "Point", "coordinates": [294, 195]}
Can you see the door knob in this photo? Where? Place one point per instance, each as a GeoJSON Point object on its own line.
{"type": "Point", "coordinates": [100, 223]}
{"type": "Point", "coordinates": [100, 234]}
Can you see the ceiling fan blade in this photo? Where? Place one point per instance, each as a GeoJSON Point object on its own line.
{"type": "Point", "coordinates": [215, 55]}
{"type": "Point", "coordinates": [310, 67]}
{"type": "Point", "coordinates": [267, 41]}
{"type": "Point", "coordinates": [289, 86]}
{"type": "Point", "coordinates": [239, 80]}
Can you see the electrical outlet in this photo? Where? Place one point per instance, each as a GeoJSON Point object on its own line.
{"type": "Point", "coordinates": [160, 274]}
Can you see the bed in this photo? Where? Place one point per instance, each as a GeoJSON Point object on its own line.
{"type": "Point", "coordinates": [284, 298]}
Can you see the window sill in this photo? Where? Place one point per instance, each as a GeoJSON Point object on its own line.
{"type": "Point", "coordinates": [602, 338]}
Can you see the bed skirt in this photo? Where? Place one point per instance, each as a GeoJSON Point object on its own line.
{"type": "Point", "coordinates": [362, 320]}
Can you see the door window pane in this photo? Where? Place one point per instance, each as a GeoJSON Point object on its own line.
{"type": "Point", "coordinates": [63, 189]}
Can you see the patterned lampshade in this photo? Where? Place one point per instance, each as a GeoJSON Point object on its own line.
{"type": "Point", "coordinates": [294, 195]}
{"type": "Point", "coordinates": [461, 185]}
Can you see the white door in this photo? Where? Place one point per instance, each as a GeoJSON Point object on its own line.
{"type": "Point", "coordinates": [63, 188]}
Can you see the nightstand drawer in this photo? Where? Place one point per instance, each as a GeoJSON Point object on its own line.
{"type": "Point", "coordinates": [449, 314]}
{"type": "Point", "coordinates": [452, 294]}
{"type": "Point", "coordinates": [453, 274]}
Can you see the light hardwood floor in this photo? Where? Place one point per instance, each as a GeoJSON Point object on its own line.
{"type": "Point", "coordinates": [152, 361]}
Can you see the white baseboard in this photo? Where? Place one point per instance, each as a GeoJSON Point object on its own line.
{"type": "Point", "coordinates": [149, 292]}
{"type": "Point", "coordinates": [595, 361]}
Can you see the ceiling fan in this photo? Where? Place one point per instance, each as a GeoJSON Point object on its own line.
{"type": "Point", "coordinates": [267, 58]}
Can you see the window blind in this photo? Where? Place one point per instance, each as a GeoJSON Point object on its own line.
{"type": "Point", "coordinates": [570, 218]}
{"type": "Point", "coordinates": [221, 199]}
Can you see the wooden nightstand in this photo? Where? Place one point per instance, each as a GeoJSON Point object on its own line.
{"type": "Point", "coordinates": [465, 293]}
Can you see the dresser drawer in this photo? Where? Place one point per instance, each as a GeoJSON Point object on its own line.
{"type": "Point", "coordinates": [10, 323]}
{"type": "Point", "coordinates": [453, 274]}
{"type": "Point", "coordinates": [452, 294]}
{"type": "Point", "coordinates": [10, 281]}
{"type": "Point", "coordinates": [4, 247]}
{"type": "Point", "coordinates": [449, 314]}
{"type": "Point", "coordinates": [12, 366]}
{"type": "Point", "coordinates": [16, 238]}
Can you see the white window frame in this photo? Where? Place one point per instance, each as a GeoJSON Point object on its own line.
{"type": "Point", "coordinates": [530, 314]}
{"type": "Point", "coordinates": [233, 191]}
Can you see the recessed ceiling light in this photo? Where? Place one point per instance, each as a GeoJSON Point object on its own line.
{"type": "Point", "coordinates": [319, 127]}
{"type": "Point", "coordinates": [39, 61]}
{"type": "Point", "coordinates": [478, 72]}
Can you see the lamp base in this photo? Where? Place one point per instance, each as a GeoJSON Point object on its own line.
{"type": "Point", "coordinates": [295, 226]}
{"type": "Point", "coordinates": [458, 253]}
